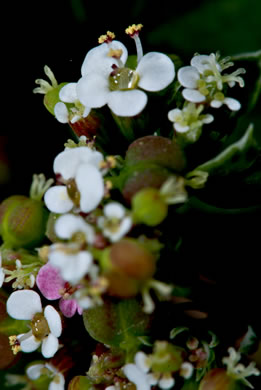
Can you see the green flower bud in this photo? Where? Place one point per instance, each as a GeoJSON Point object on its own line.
{"type": "Point", "coordinates": [148, 207]}
{"type": "Point", "coordinates": [80, 383]}
{"type": "Point", "coordinates": [218, 379]}
{"type": "Point", "coordinates": [23, 222]}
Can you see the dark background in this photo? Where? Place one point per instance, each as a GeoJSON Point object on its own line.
{"type": "Point", "coordinates": [59, 33]}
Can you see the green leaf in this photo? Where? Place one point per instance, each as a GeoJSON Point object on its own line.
{"type": "Point", "coordinates": [118, 324]}
{"type": "Point", "coordinates": [235, 158]}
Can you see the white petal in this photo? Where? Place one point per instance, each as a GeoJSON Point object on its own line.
{"type": "Point", "coordinates": [136, 376]}
{"type": "Point", "coordinates": [173, 114]}
{"type": "Point", "coordinates": [97, 59]}
{"type": "Point", "coordinates": [166, 382]}
{"type": "Point", "coordinates": [76, 267]}
{"type": "Point", "coordinates": [24, 304]}
{"type": "Point", "coordinates": [193, 95]}
{"type": "Point", "coordinates": [93, 90]}
{"type": "Point", "coordinates": [208, 118]}
{"type": "Point", "coordinates": [216, 103]}
{"type": "Point", "coordinates": [34, 371]}
{"type": "Point", "coordinates": [58, 384]}
{"type": "Point", "coordinates": [114, 210]}
{"type": "Point", "coordinates": [50, 346]}
{"type": "Point", "coordinates": [123, 229]}
{"type": "Point", "coordinates": [141, 361]}
{"type": "Point", "coordinates": [201, 62]}
{"type": "Point", "coordinates": [61, 112]}
{"type": "Point", "coordinates": [68, 93]}
{"type": "Point", "coordinates": [54, 320]}
{"type": "Point", "coordinates": [232, 104]}
{"type": "Point", "coordinates": [156, 71]}
{"type": "Point", "coordinates": [188, 76]}
{"type": "Point", "coordinates": [181, 129]}
{"type": "Point", "coordinates": [86, 112]}
{"type": "Point", "coordinates": [69, 224]}
{"type": "Point", "coordinates": [90, 184]}
{"type": "Point", "coordinates": [57, 200]}
{"type": "Point", "coordinates": [28, 342]}
{"type": "Point", "coordinates": [127, 103]}
{"type": "Point", "coordinates": [153, 378]}
{"type": "Point", "coordinates": [2, 276]}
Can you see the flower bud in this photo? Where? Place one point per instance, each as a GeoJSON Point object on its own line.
{"type": "Point", "coordinates": [23, 222]}
{"type": "Point", "coordinates": [217, 379]}
{"type": "Point", "coordinates": [52, 97]}
{"type": "Point", "coordinates": [157, 150]}
{"type": "Point", "coordinates": [166, 357]}
{"type": "Point", "coordinates": [148, 207]}
{"type": "Point", "coordinates": [131, 259]}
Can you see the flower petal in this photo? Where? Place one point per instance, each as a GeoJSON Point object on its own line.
{"type": "Point", "coordinates": [34, 371]}
{"type": "Point", "coordinates": [57, 200]}
{"type": "Point", "coordinates": [58, 383]}
{"type": "Point", "coordinates": [180, 129]}
{"type": "Point", "coordinates": [68, 307]}
{"type": "Point", "coordinates": [127, 103]}
{"type": "Point", "coordinates": [49, 282]}
{"type": "Point", "coordinates": [141, 360]}
{"type": "Point", "coordinates": [97, 59]}
{"type": "Point", "coordinates": [156, 71]}
{"type": "Point", "coordinates": [136, 376]}
{"type": "Point", "coordinates": [166, 382]}
{"type": "Point", "coordinates": [61, 112]}
{"type": "Point", "coordinates": [216, 103]}
{"type": "Point", "coordinates": [232, 104]}
{"type": "Point", "coordinates": [201, 62]}
{"type": "Point", "coordinates": [93, 90]}
{"type": "Point", "coordinates": [114, 210]}
{"type": "Point", "coordinates": [28, 342]}
{"type": "Point", "coordinates": [76, 267]}
{"type": "Point", "coordinates": [54, 320]}
{"type": "Point", "coordinates": [2, 276]}
{"type": "Point", "coordinates": [69, 224]}
{"type": "Point", "coordinates": [68, 93]}
{"type": "Point", "coordinates": [90, 184]}
{"type": "Point", "coordinates": [174, 114]}
{"type": "Point", "coordinates": [50, 346]}
{"type": "Point", "coordinates": [188, 76]}
{"type": "Point", "coordinates": [22, 305]}
{"type": "Point", "coordinates": [208, 118]}
{"type": "Point", "coordinates": [193, 95]}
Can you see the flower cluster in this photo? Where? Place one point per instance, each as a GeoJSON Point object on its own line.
{"type": "Point", "coordinates": [95, 252]}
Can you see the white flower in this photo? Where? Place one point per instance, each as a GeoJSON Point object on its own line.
{"type": "Point", "coordinates": [72, 262]}
{"type": "Point", "coordinates": [34, 371]}
{"type": "Point", "coordinates": [64, 114]}
{"type": "Point", "coordinates": [106, 80]}
{"type": "Point", "coordinates": [2, 272]}
{"type": "Point", "coordinates": [46, 325]}
{"type": "Point", "coordinates": [78, 168]}
{"type": "Point", "coordinates": [189, 118]}
{"type": "Point", "coordinates": [139, 373]}
{"type": "Point", "coordinates": [115, 223]}
{"type": "Point", "coordinates": [203, 80]}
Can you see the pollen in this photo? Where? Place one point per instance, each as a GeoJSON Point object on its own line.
{"type": "Point", "coordinates": [134, 29]}
{"type": "Point", "coordinates": [15, 345]}
{"type": "Point", "coordinates": [108, 37]}
{"type": "Point", "coordinates": [116, 53]}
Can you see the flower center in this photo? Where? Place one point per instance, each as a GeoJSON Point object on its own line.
{"type": "Point", "coordinates": [40, 326]}
{"type": "Point", "coordinates": [73, 192]}
{"type": "Point", "coordinates": [123, 79]}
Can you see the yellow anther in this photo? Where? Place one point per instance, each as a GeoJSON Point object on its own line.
{"type": "Point", "coordinates": [134, 29]}
{"type": "Point", "coordinates": [15, 345]}
{"type": "Point", "coordinates": [115, 53]}
{"type": "Point", "coordinates": [112, 161]}
{"type": "Point", "coordinates": [108, 37]}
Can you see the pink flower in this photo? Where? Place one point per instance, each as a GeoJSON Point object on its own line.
{"type": "Point", "coordinates": [52, 286]}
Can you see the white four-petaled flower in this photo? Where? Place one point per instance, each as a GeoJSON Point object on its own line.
{"type": "Point", "coordinates": [81, 181]}
{"type": "Point", "coordinates": [35, 371]}
{"type": "Point", "coordinates": [115, 223]}
{"type": "Point", "coordinates": [106, 79]}
{"type": "Point", "coordinates": [46, 325]}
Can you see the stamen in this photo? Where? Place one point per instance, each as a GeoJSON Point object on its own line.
{"type": "Point", "coordinates": [15, 345]}
{"type": "Point", "coordinates": [133, 32]}
{"type": "Point", "coordinates": [106, 38]}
